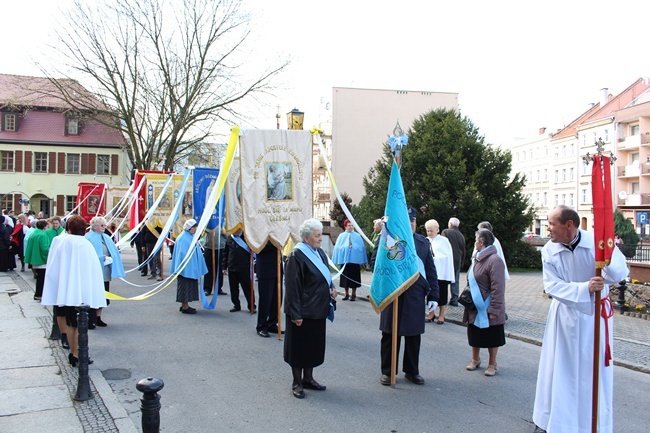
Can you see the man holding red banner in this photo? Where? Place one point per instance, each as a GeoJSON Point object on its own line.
{"type": "Point", "coordinates": [564, 384]}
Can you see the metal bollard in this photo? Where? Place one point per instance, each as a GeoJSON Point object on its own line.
{"type": "Point", "coordinates": [83, 385]}
{"type": "Point", "coordinates": [620, 302]}
{"type": "Point", "coordinates": [150, 406]}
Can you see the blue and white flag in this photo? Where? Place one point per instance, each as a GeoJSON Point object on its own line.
{"type": "Point", "coordinates": [396, 264]}
{"type": "Point", "coordinates": [204, 180]}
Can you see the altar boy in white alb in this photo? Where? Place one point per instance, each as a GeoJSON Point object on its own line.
{"type": "Point", "coordinates": [563, 396]}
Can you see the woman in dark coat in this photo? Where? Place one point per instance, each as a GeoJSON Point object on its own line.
{"type": "Point", "coordinates": [309, 291]}
{"type": "Point", "coordinates": [487, 282]}
{"type": "Point", "coordinates": [5, 244]}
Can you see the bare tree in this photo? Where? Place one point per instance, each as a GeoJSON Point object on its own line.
{"type": "Point", "coordinates": [167, 70]}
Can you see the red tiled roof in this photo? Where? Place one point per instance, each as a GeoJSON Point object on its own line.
{"type": "Point", "coordinates": [43, 113]}
{"type": "Point", "coordinates": [19, 90]}
{"type": "Point", "coordinates": [48, 127]}
{"type": "Point", "coordinates": [571, 128]}
{"type": "Point", "coordinates": [621, 100]}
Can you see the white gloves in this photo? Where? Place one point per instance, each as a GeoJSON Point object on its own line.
{"type": "Point", "coordinates": [431, 306]}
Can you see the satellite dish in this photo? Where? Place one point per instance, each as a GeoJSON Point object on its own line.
{"type": "Point", "coordinates": [622, 195]}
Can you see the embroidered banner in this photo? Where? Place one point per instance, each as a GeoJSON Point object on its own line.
{"type": "Point", "coordinates": [204, 181]}
{"type": "Point", "coordinates": [276, 179]}
{"type": "Point", "coordinates": [234, 212]}
{"type": "Point", "coordinates": [90, 200]}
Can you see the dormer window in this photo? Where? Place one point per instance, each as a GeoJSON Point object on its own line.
{"type": "Point", "coordinates": [10, 122]}
{"type": "Point", "coordinates": [72, 126]}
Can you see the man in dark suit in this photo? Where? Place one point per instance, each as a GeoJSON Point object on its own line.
{"type": "Point", "coordinates": [457, 241]}
{"type": "Point", "coordinates": [141, 248]}
{"type": "Point", "coordinates": [411, 308]}
{"type": "Point", "coordinates": [238, 256]}
{"type": "Point", "coordinates": [266, 266]}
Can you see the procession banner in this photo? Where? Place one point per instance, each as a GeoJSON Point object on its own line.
{"type": "Point", "coordinates": [276, 179]}
{"type": "Point", "coordinates": [91, 198]}
{"type": "Point", "coordinates": [234, 212]}
{"type": "Point", "coordinates": [155, 187]}
{"type": "Point", "coordinates": [117, 201]}
{"type": "Point", "coordinates": [205, 180]}
{"type": "Point", "coordinates": [396, 266]}
{"type": "Point", "coordinates": [601, 190]}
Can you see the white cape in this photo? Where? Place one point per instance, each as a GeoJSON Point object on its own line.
{"type": "Point", "coordinates": [74, 275]}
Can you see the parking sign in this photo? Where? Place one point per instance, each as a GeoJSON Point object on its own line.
{"type": "Point", "coordinates": [642, 217]}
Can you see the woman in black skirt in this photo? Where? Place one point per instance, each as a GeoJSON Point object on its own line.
{"type": "Point", "coordinates": [309, 289]}
{"type": "Point", "coordinates": [485, 321]}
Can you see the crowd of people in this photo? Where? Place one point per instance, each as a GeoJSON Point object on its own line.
{"type": "Point", "coordinates": [57, 257]}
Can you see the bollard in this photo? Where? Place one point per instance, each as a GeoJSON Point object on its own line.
{"type": "Point", "coordinates": [55, 334]}
{"type": "Point", "coordinates": [150, 406]}
{"type": "Point", "coordinates": [620, 302]}
{"type": "Point", "coordinates": [83, 385]}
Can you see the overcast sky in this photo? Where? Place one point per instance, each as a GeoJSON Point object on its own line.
{"type": "Point", "coordinates": [516, 65]}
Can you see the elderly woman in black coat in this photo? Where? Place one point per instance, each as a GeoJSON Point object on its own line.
{"type": "Point", "coordinates": [308, 294]}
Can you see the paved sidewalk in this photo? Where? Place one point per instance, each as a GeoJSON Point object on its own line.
{"type": "Point", "coordinates": [37, 384]}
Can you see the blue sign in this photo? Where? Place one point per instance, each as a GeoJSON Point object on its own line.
{"type": "Point", "coordinates": [642, 217]}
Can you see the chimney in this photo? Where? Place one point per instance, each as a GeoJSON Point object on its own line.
{"type": "Point", "coordinates": [542, 130]}
{"type": "Point", "coordinates": [604, 96]}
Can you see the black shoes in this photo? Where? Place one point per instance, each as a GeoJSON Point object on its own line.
{"type": "Point", "coordinates": [346, 297]}
{"type": "Point", "coordinates": [263, 333]}
{"type": "Point", "coordinates": [312, 384]}
{"type": "Point", "coordinates": [207, 292]}
{"type": "Point", "coordinates": [64, 341]}
{"type": "Point", "coordinates": [353, 298]}
{"type": "Point", "coordinates": [188, 310]}
{"type": "Point", "coordinates": [385, 380]}
{"type": "Point", "coordinates": [297, 390]}
{"type": "Point", "coordinates": [91, 326]}
{"type": "Point", "coordinates": [221, 292]}
{"type": "Point", "coordinates": [453, 303]}
{"type": "Point", "coordinates": [416, 379]}
{"type": "Point", "coordinates": [274, 331]}
{"type": "Point", "coordinates": [73, 360]}
{"type": "Point", "coordinates": [100, 322]}
{"type": "Point", "coordinates": [235, 309]}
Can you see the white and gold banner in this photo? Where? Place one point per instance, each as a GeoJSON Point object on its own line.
{"type": "Point", "coordinates": [276, 179]}
{"type": "Point", "coordinates": [234, 217]}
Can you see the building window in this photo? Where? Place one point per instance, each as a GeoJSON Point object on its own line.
{"type": "Point", "coordinates": [557, 200]}
{"type": "Point", "coordinates": [9, 123]}
{"type": "Point", "coordinates": [40, 162]}
{"type": "Point", "coordinates": [634, 130]}
{"type": "Point", "coordinates": [72, 126]}
{"type": "Point", "coordinates": [634, 158]}
{"type": "Point", "coordinates": [571, 199]}
{"type": "Point", "coordinates": [545, 198]}
{"type": "Point", "coordinates": [73, 163]}
{"type": "Point", "coordinates": [563, 198]}
{"type": "Point", "coordinates": [571, 173]}
{"type": "Point", "coordinates": [7, 201]}
{"type": "Point", "coordinates": [572, 149]}
{"type": "Point", "coordinates": [545, 174]}
{"type": "Point", "coordinates": [7, 160]}
{"type": "Point", "coordinates": [584, 140]}
{"type": "Point", "coordinates": [584, 196]}
{"type": "Point", "coordinates": [595, 138]}
{"type": "Point", "coordinates": [70, 202]}
{"type": "Point", "coordinates": [634, 187]}
{"type": "Point", "coordinates": [607, 136]}
{"type": "Point", "coordinates": [103, 164]}
{"type": "Point", "coordinates": [538, 178]}
{"type": "Point", "coordinates": [557, 176]}
{"type": "Point", "coordinates": [536, 197]}
{"type": "Point", "coordinates": [564, 150]}
{"type": "Point", "coordinates": [563, 176]}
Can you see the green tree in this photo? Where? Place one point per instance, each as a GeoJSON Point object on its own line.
{"type": "Point", "coordinates": [336, 211]}
{"type": "Point", "coordinates": [449, 171]}
{"type": "Point", "coordinates": [625, 230]}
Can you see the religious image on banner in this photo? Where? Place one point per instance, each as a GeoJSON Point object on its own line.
{"type": "Point", "coordinates": [276, 185]}
{"type": "Point", "coordinates": [89, 199]}
{"type": "Point", "coordinates": [92, 204]}
{"type": "Point", "coordinates": [278, 181]}
{"type": "Point", "coordinates": [115, 196]}
{"type": "Point", "coordinates": [233, 212]}
{"type": "Point", "coordinates": [155, 186]}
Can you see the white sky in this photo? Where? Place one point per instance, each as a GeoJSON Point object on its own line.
{"type": "Point", "coordinates": [516, 65]}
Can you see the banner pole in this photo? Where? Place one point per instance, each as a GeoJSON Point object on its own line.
{"type": "Point", "coordinates": [252, 277]}
{"type": "Point", "coordinates": [279, 303]}
{"type": "Point", "coordinates": [393, 353]}
{"type": "Point", "coordinates": [214, 268]}
{"type": "Point", "coordinates": [595, 378]}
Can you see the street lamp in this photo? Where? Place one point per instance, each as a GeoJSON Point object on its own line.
{"type": "Point", "coordinates": [295, 118]}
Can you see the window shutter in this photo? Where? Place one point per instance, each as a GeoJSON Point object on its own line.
{"type": "Point", "coordinates": [51, 162]}
{"type": "Point", "coordinates": [115, 161]}
{"type": "Point", "coordinates": [18, 162]}
{"type": "Point", "coordinates": [60, 205]}
{"type": "Point", "coordinates": [61, 163]}
{"type": "Point", "coordinates": [92, 163]}
{"type": "Point", "coordinates": [16, 202]}
{"type": "Point", "coordinates": [28, 161]}
{"type": "Point", "coordinates": [85, 165]}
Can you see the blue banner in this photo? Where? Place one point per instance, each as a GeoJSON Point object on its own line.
{"type": "Point", "coordinates": [204, 180]}
{"type": "Point", "coordinates": [396, 264]}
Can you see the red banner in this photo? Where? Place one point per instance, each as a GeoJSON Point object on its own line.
{"type": "Point", "coordinates": [139, 208]}
{"type": "Point", "coordinates": [601, 188]}
{"type": "Point", "coordinates": [91, 198]}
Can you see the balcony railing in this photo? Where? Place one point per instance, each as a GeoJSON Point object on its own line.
{"type": "Point", "coordinates": [631, 142]}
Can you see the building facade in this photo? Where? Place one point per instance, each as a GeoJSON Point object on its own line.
{"type": "Point", "coordinates": [363, 120]}
{"type": "Point", "coordinates": [47, 148]}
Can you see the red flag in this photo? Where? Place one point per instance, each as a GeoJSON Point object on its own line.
{"type": "Point", "coordinates": [91, 198]}
{"type": "Point", "coordinates": [601, 188]}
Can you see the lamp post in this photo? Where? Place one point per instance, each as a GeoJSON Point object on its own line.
{"type": "Point", "coordinates": [295, 118]}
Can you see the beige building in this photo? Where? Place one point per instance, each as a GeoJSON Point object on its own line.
{"type": "Point", "coordinates": [363, 119]}
{"type": "Point", "coordinates": [46, 148]}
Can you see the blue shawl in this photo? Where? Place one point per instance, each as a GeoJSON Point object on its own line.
{"type": "Point", "coordinates": [100, 239]}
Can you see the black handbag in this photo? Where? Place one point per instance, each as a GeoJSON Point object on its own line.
{"type": "Point", "coordinates": [465, 299]}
